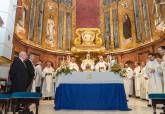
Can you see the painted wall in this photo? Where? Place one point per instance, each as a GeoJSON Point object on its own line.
{"type": "Point", "coordinates": [87, 13]}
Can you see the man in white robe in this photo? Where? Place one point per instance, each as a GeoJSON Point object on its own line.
{"type": "Point", "coordinates": [144, 83]}
{"type": "Point", "coordinates": [48, 86]}
{"type": "Point", "coordinates": [159, 69]}
{"type": "Point", "coordinates": [161, 50]}
{"type": "Point", "coordinates": [73, 65]}
{"type": "Point", "coordinates": [137, 75]}
{"type": "Point", "coordinates": [88, 63]}
{"type": "Point", "coordinates": [128, 84]}
{"type": "Point", "coordinates": [38, 76]}
{"type": "Point", "coordinates": [109, 59]}
{"type": "Point", "coordinates": [101, 65]}
{"type": "Point", "coordinates": [154, 81]}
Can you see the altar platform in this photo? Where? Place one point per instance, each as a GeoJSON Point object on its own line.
{"type": "Point", "coordinates": [90, 91]}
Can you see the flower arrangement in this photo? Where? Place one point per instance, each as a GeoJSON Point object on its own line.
{"type": "Point", "coordinates": [123, 73]}
{"type": "Point", "coordinates": [116, 68]}
{"type": "Point", "coordinates": [64, 69]}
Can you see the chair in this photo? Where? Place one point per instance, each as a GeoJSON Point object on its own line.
{"type": "Point", "coordinates": [157, 98]}
{"type": "Point", "coordinates": [5, 100]}
{"type": "Point", "coordinates": [25, 98]}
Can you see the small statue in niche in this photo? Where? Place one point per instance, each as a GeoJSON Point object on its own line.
{"type": "Point", "coordinates": [158, 10]}
{"type": "Point", "coordinates": [127, 27]}
{"type": "Point", "coordinates": [23, 8]}
{"type": "Point", "coordinates": [50, 31]}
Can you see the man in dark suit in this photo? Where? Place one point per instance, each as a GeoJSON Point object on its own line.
{"type": "Point", "coordinates": [18, 73]}
{"type": "Point", "coordinates": [31, 71]}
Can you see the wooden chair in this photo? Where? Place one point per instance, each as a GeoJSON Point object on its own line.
{"type": "Point", "coordinates": [157, 99]}
{"type": "Point", "coordinates": [25, 98]}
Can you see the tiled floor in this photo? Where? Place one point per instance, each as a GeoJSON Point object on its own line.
{"type": "Point", "coordinates": [137, 106]}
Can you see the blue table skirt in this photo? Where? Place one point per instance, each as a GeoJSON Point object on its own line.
{"type": "Point", "coordinates": [91, 97]}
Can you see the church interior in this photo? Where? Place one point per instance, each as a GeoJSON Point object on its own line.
{"type": "Point", "coordinates": [53, 31]}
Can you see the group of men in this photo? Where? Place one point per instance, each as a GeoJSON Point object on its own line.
{"type": "Point", "coordinates": [88, 64]}
{"type": "Point", "coordinates": [149, 78]}
{"type": "Point", "coordinates": [21, 75]}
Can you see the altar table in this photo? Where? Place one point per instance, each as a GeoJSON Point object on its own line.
{"type": "Point", "coordinates": [90, 91]}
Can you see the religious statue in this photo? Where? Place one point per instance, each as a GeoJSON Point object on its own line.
{"type": "Point", "coordinates": [50, 31]}
{"type": "Point", "coordinates": [20, 26]}
{"type": "Point", "coordinates": [158, 11]}
{"type": "Point", "coordinates": [127, 27]}
{"type": "Point", "coordinates": [87, 64]}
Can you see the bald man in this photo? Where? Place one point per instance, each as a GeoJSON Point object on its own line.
{"type": "Point", "coordinates": [19, 74]}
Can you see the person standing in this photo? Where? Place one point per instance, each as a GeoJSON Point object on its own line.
{"type": "Point", "coordinates": [154, 81]}
{"type": "Point", "coordinates": [137, 71]}
{"type": "Point", "coordinates": [47, 88]}
{"type": "Point", "coordinates": [159, 69]}
{"type": "Point", "coordinates": [109, 58]}
{"type": "Point", "coordinates": [161, 50]}
{"type": "Point", "coordinates": [143, 83]}
{"type": "Point", "coordinates": [18, 73]}
{"type": "Point", "coordinates": [31, 71]}
{"type": "Point", "coordinates": [72, 65]}
{"type": "Point", "coordinates": [101, 65]}
{"type": "Point", "coordinates": [88, 63]}
{"type": "Point", "coordinates": [38, 76]}
{"type": "Point", "coordinates": [128, 81]}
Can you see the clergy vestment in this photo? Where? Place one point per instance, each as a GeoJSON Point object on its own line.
{"type": "Point", "coordinates": [154, 81]}
{"type": "Point", "coordinates": [48, 86]}
{"type": "Point", "coordinates": [38, 78]}
{"type": "Point", "coordinates": [163, 68]}
{"type": "Point", "coordinates": [73, 66]}
{"type": "Point", "coordinates": [128, 83]}
{"type": "Point", "coordinates": [154, 84]}
{"type": "Point", "coordinates": [110, 64]}
{"type": "Point", "coordinates": [19, 75]}
{"type": "Point", "coordinates": [87, 63]}
{"type": "Point", "coordinates": [137, 75]}
{"type": "Point", "coordinates": [101, 66]}
{"type": "Point", "coordinates": [159, 71]}
{"type": "Point", "coordinates": [143, 85]}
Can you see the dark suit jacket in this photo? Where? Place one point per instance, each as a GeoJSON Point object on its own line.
{"type": "Point", "coordinates": [31, 71]}
{"type": "Point", "coordinates": [18, 75]}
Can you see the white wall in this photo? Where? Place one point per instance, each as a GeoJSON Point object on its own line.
{"type": "Point", "coordinates": [7, 12]}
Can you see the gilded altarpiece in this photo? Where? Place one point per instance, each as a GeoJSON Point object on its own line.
{"type": "Point", "coordinates": [87, 26]}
